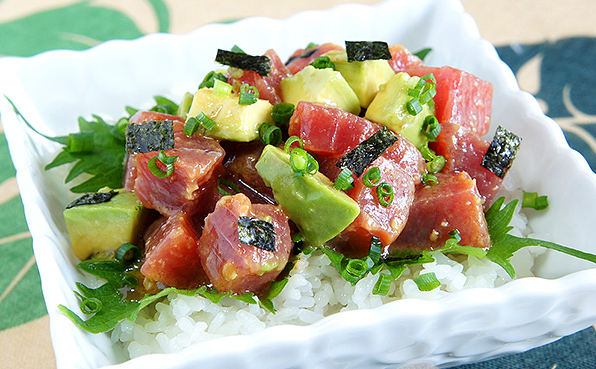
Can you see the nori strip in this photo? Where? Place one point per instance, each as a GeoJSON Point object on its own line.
{"type": "Point", "coordinates": [367, 151]}
{"type": "Point", "coordinates": [367, 50]}
{"type": "Point", "coordinates": [256, 232]}
{"type": "Point", "coordinates": [501, 152]}
{"type": "Point", "coordinates": [92, 198]}
{"type": "Point", "coordinates": [259, 64]}
{"type": "Point", "coordinates": [149, 136]}
{"type": "Point", "coordinates": [305, 54]}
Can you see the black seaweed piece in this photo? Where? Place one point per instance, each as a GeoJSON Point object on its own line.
{"type": "Point", "coordinates": [501, 152]}
{"type": "Point", "coordinates": [149, 136]}
{"type": "Point", "coordinates": [257, 233]}
{"type": "Point", "coordinates": [367, 50]}
{"type": "Point", "coordinates": [259, 64]}
{"type": "Point", "coordinates": [306, 54]}
{"type": "Point", "coordinates": [92, 198]}
{"type": "Point", "coordinates": [367, 151]}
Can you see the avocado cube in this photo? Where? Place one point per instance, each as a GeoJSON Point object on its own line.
{"type": "Point", "coordinates": [105, 226]}
{"type": "Point", "coordinates": [318, 209]}
{"type": "Point", "coordinates": [324, 86]}
{"type": "Point", "coordinates": [389, 108]}
{"type": "Point", "coordinates": [364, 77]}
{"type": "Point", "coordinates": [233, 122]}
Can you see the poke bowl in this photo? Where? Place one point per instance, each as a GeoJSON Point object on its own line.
{"type": "Point", "coordinates": [553, 295]}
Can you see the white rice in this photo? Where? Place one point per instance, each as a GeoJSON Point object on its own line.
{"type": "Point", "coordinates": [314, 290]}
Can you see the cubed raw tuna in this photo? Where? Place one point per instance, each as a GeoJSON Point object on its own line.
{"type": "Point", "coordinates": [199, 161]}
{"type": "Point", "coordinates": [171, 245]}
{"type": "Point", "coordinates": [329, 131]}
{"type": "Point", "coordinates": [452, 204]}
{"type": "Point", "coordinates": [268, 86]}
{"type": "Point", "coordinates": [234, 266]}
{"type": "Point", "coordinates": [462, 98]}
{"type": "Point", "coordinates": [302, 58]}
{"type": "Point", "coordinates": [463, 150]}
{"type": "Point", "coordinates": [402, 59]}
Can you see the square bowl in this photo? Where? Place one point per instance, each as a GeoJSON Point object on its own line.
{"type": "Point", "coordinates": [53, 89]}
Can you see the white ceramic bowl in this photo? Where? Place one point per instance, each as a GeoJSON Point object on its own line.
{"type": "Point", "coordinates": [54, 88]}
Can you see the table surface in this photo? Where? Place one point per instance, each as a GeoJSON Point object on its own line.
{"type": "Point", "coordinates": [537, 38]}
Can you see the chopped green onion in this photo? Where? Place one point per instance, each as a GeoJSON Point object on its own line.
{"type": "Point", "coordinates": [344, 180]}
{"type": "Point", "coordinates": [81, 142]}
{"type": "Point", "coordinates": [237, 49]}
{"type": "Point", "coordinates": [532, 200]}
{"type": "Point", "coordinates": [429, 179]}
{"type": "Point", "coordinates": [302, 162]}
{"type": "Point", "coordinates": [372, 177]}
{"type": "Point", "coordinates": [290, 141]}
{"type": "Point", "coordinates": [248, 97]}
{"type": "Point", "coordinates": [270, 134]}
{"type": "Point", "coordinates": [298, 237]}
{"type": "Point", "coordinates": [385, 194]}
{"type": "Point", "coordinates": [323, 62]}
{"type": "Point", "coordinates": [229, 184]}
{"type": "Point", "coordinates": [201, 119]}
{"type": "Point", "coordinates": [91, 305]}
{"type": "Point", "coordinates": [383, 284]}
{"type": "Point", "coordinates": [127, 253]}
{"type": "Point", "coordinates": [414, 107]}
{"type": "Point", "coordinates": [184, 106]}
{"type": "Point", "coordinates": [210, 79]}
{"type": "Point", "coordinates": [455, 235]}
{"type": "Point", "coordinates": [168, 161]}
{"type": "Point", "coordinates": [436, 165]}
{"type": "Point", "coordinates": [428, 92]}
{"type": "Point", "coordinates": [427, 282]}
{"type": "Point", "coordinates": [221, 88]}
{"type": "Point", "coordinates": [191, 126]}
{"type": "Point", "coordinates": [431, 127]}
{"type": "Point", "coordinates": [423, 53]}
{"type": "Point", "coordinates": [282, 112]}
{"type": "Point", "coordinates": [376, 248]}
{"type": "Point", "coordinates": [429, 78]}
{"type": "Point", "coordinates": [355, 270]}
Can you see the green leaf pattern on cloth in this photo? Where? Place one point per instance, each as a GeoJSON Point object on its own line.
{"type": "Point", "coordinates": [77, 26]}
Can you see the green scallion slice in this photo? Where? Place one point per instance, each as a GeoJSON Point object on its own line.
{"type": "Point", "coordinates": [414, 107]}
{"type": "Point", "coordinates": [355, 269]}
{"type": "Point", "coordinates": [248, 94]}
{"type": "Point", "coordinates": [385, 194]}
{"type": "Point", "coordinates": [270, 134]}
{"type": "Point", "coordinates": [229, 184]}
{"type": "Point", "coordinates": [344, 180]}
{"type": "Point", "coordinates": [431, 127]}
{"type": "Point", "coordinates": [436, 165]}
{"type": "Point", "coordinates": [427, 282]}
{"type": "Point", "coordinates": [221, 88]}
{"type": "Point", "coordinates": [81, 142]}
{"type": "Point", "coordinates": [532, 200]}
{"type": "Point", "coordinates": [210, 79]}
{"type": "Point", "coordinates": [282, 112]}
{"type": "Point", "coordinates": [323, 62]}
{"type": "Point", "coordinates": [376, 248]}
{"type": "Point", "coordinates": [383, 284]}
{"type": "Point", "coordinates": [429, 179]}
{"type": "Point", "coordinates": [205, 121]}
{"type": "Point", "coordinates": [302, 162]}
{"type": "Point", "coordinates": [127, 253]}
{"type": "Point", "coordinates": [168, 161]}
{"type": "Point", "coordinates": [91, 305]}
{"type": "Point", "coordinates": [372, 177]}
{"type": "Point", "coordinates": [291, 141]}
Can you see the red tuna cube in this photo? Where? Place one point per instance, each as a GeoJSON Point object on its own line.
{"type": "Point", "coordinates": [171, 245]}
{"type": "Point", "coordinates": [233, 266]}
{"type": "Point", "coordinates": [462, 98]}
{"type": "Point", "coordinates": [452, 204]}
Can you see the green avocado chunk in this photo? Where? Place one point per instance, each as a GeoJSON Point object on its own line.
{"type": "Point", "coordinates": [105, 226]}
{"type": "Point", "coordinates": [324, 86]}
{"type": "Point", "coordinates": [389, 108]}
{"type": "Point", "coordinates": [318, 209]}
{"type": "Point", "coordinates": [364, 77]}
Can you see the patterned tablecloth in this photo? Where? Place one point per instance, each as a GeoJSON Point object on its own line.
{"type": "Point", "coordinates": [549, 44]}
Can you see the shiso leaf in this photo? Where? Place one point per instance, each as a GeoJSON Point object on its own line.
{"type": "Point", "coordinates": [150, 136]}
{"type": "Point", "coordinates": [367, 50]}
{"type": "Point", "coordinates": [501, 152]}
{"type": "Point", "coordinates": [260, 64]}
{"type": "Point", "coordinates": [423, 53]}
{"type": "Point", "coordinates": [505, 245]}
{"type": "Point", "coordinates": [367, 151]}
